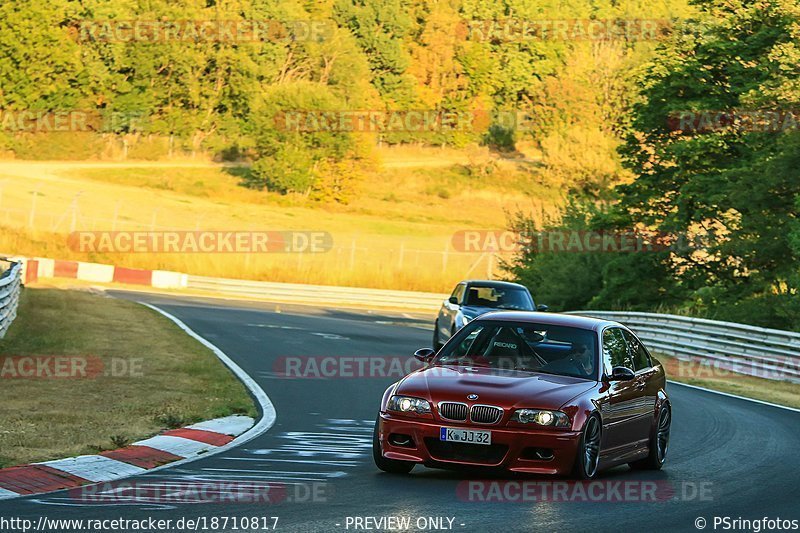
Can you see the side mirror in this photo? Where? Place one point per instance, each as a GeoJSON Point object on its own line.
{"type": "Point", "coordinates": [621, 373]}
{"type": "Point", "coordinates": [453, 300]}
{"type": "Point", "coordinates": [542, 308]}
{"type": "Point", "coordinates": [424, 354]}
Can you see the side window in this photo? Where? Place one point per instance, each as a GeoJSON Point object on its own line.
{"type": "Point", "coordinates": [615, 350]}
{"type": "Point", "coordinates": [459, 292]}
{"type": "Point", "coordinates": [638, 354]}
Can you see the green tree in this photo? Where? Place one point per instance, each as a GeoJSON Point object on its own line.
{"type": "Point", "coordinates": [734, 189]}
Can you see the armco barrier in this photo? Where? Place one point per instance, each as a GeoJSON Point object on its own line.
{"type": "Point", "coordinates": [318, 294]}
{"type": "Point", "coordinates": [10, 283]}
{"type": "Point", "coordinates": [769, 353]}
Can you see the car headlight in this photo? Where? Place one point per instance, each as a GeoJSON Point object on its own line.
{"type": "Point", "coordinates": [407, 404]}
{"type": "Point", "coordinates": [541, 417]}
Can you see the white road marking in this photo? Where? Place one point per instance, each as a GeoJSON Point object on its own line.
{"type": "Point", "coordinates": [301, 461]}
{"type": "Point", "coordinates": [71, 502]}
{"type": "Point", "coordinates": [95, 467]}
{"type": "Point", "coordinates": [332, 336]}
{"type": "Point", "coordinates": [271, 326]}
{"type": "Point", "coordinates": [293, 474]}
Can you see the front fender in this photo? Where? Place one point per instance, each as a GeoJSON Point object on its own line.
{"type": "Point", "coordinates": [581, 407]}
{"type": "Point", "coordinates": [388, 394]}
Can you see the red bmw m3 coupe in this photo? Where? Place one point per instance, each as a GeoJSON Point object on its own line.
{"type": "Point", "coordinates": [529, 392]}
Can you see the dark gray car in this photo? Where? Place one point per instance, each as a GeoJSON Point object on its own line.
{"type": "Point", "coordinates": [472, 298]}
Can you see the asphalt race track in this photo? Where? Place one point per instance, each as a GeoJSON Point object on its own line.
{"type": "Point", "coordinates": [728, 457]}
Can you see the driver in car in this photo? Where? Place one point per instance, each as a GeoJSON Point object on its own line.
{"type": "Point", "coordinates": [583, 359]}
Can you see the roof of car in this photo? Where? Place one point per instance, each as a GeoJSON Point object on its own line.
{"type": "Point", "coordinates": [550, 319]}
{"type": "Point", "coordinates": [490, 283]}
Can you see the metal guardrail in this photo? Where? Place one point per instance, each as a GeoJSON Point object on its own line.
{"type": "Point", "coordinates": [318, 294]}
{"type": "Point", "coordinates": [762, 352]}
{"type": "Point", "coordinates": [10, 283]}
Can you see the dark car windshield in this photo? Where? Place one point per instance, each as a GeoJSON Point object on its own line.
{"type": "Point", "coordinates": [499, 298]}
{"type": "Point", "coordinates": [559, 350]}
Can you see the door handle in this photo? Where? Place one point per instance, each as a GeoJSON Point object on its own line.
{"type": "Point", "coordinates": [641, 385]}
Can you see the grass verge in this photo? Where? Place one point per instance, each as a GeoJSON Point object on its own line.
{"type": "Point", "coordinates": [159, 378]}
{"type": "Point", "coordinates": [710, 377]}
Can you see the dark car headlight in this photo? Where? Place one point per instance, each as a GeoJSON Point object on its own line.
{"type": "Point", "coordinates": [541, 417]}
{"type": "Point", "coordinates": [408, 404]}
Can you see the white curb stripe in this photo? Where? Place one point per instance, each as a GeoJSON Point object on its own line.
{"type": "Point", "coordinates": [176, 445]}
{"type": "Point", "coordinates": [94, 467]}
{"type": "Point", "coordinates": [7, 494]}
{"type": "Point", "coordinates": [230, 425]}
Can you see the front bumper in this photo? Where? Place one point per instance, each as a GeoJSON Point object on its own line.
{"type": "Point", "coordinates": [512, 449]}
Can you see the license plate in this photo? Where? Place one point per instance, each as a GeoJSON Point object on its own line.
{"type": "Point", "coordinates": [465, 435]}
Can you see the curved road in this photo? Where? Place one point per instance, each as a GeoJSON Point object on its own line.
{"type": "Point", "coordinates": [728, 457]}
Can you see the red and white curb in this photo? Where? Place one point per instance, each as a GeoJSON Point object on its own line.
{"type": "Point", "coordinates": [40, 267]}
{"type": "Point", "coordinates": [173, 445]}
{"type": "Point", "coordinates": [169, 449]}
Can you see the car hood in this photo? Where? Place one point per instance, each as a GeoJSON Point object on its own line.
{"type": "Point", "coordinates": [506, 388]}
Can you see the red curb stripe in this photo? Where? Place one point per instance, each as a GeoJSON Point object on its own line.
{"type": "Point", "coordinates": [133, 276]}
{"type": "Point", "coordinates": [34, 479]}
{"type": "Point", "coordinates": [207, 437]}
{"type": "Point", "coordinates": [142, 456]}
{"type": "Point", "coordinates": [31, 271]}
{"type": "Point", "coordinates": [65, 269]}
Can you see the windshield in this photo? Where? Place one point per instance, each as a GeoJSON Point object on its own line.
{"type": "Point", "coordinates": [523, 346]}
{"type": "Point", "coordinates": [497, 298]}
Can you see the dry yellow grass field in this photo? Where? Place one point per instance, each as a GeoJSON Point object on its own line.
{"type": "Point", "coordinates": [395, 234]}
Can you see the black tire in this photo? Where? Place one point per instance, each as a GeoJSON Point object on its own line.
{"type": "Point", "coordinates": [659, 442]}
{"type": "Point", "coordinates": [436, 344]}
{"type": "Point", "coordinates": [391, 466]}
{"type": "Point", "coordinates": [588, 457]}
